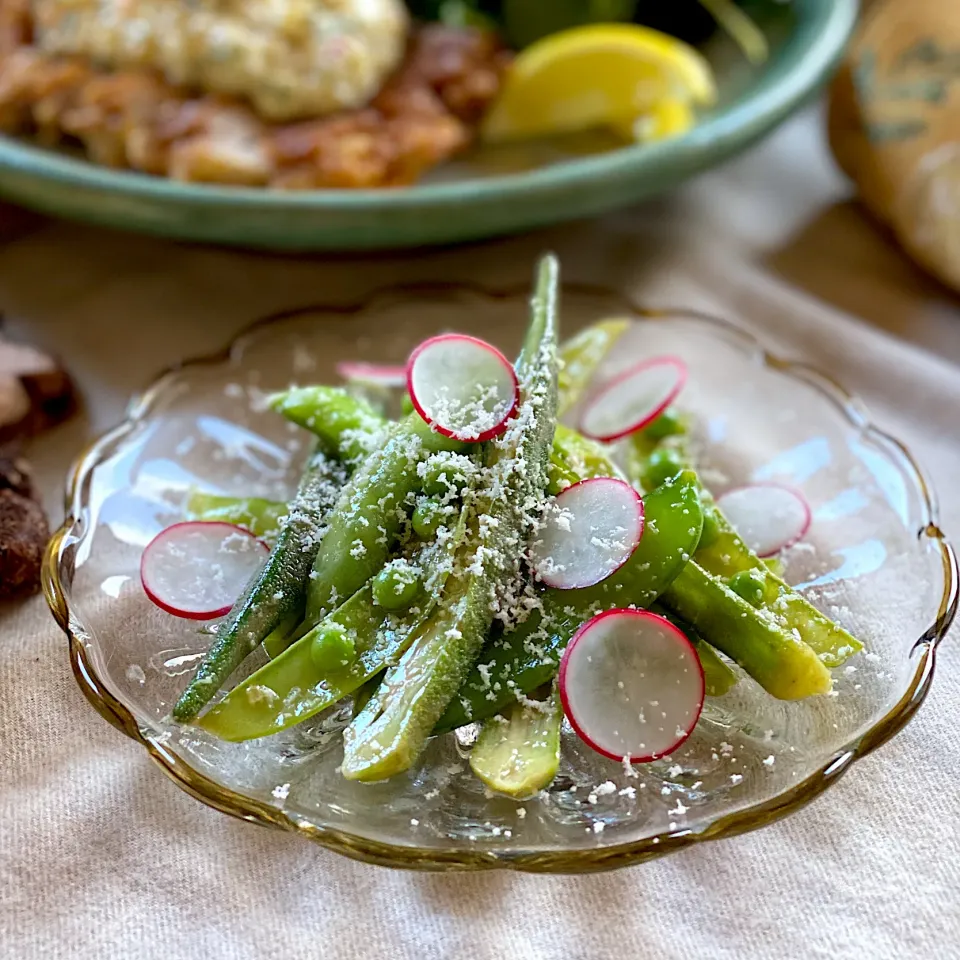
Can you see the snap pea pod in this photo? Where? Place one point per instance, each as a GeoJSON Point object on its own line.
{"type": "Point", "coordinates": [293, 687]}
{"type": "Point", "coordinates": [365, 693]}
{"type": "Point", "coordinates": [528, 657]}
{"type": "Point", "coordinates": [581, 355]}
{"type": "Point", "coordinates": [718, 677]}
{"type": "Point", "coordinates": [726, 555]}
{"type": "Point", "coordinates": [276, 594]}
{"type": "Point", "coordinates": [280, 637]}
{"type": "Point", "coordinates": [775, 657]}
{"type": "Point", "coordinates": [347, 428]}
{"type": "Point", "coordinates": [325, 410]}
{"type": "Point", "coordinates": [518, 752]}
{"type": "Point", "coordinates": [333, 414]}
{"type": "Point", "coordinates": [723, 553]}
{"type": "Point", "coordinates": [261, 517]}
{"type": "Point", "coordinates": [574, 458]}
{"type": "Point", "coordinates": [389, 734]}
{"type": "Point", "coordinates": [344, 422]}
{"type": "Point", "coordinates": [370, 515]}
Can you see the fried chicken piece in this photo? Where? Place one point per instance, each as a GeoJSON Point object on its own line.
{"type": "Point", "coordinates": [426, 113]}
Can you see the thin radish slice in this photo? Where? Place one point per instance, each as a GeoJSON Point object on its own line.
{"type": "Point", "coordinates": [768, 516]}
{"type": "Point", "coordinates": [197, 569]}
{"type": "Point", "coordinates": [590, 531]}
{"type": "Point", "coordinates": [381, 374]}
{"type": "Point", "coordinates": [633, 399]}
{"type": "Point", "coordinates": [631, 685]}
{"type": "Point", "coordinates": [463, 387]}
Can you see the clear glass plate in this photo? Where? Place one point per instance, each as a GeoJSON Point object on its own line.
{"type": "Point", "coordinates": [874, 560]}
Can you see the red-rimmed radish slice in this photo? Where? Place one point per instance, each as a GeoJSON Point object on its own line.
{"type": "Point", "coordinates": [463, 387]}
{"type": "Point", "coordinates": [381, 374]}
{"type": "Point", "coordinates": [768, 516]}
{"type": "Point", "coordinates": [197, 569]}
{"type": "Point", "coordinates": [589, 531]}
{"type": "Point", "coordinates": [631, 685]}
{"type": "Point", "coordinates": [633, 399]}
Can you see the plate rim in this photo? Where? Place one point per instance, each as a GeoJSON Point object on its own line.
{"type": "Point", "coordinates": [57, 575]}
{"type": "Point", "coordinates": [825, 32]}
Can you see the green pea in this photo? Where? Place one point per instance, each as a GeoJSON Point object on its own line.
{"type": "Point", "coordinates": [662, 465]}
{"type": "Point", "coordinates": [668, 424]}
{"type": "Point", "coordinates": [427, 518]}
{"type": "Point", "coordinates": [711, 529]}
{"type": "Point", "coordinates": [396, 586]}
{"type": "Point", "coordinates": [441, 476]}
{"type": "Point", "coordinates": [744, 584]}
{"type": "Point", "coordinates": [406, 405]}
{"type": "Point", "coordinates": [332, 648]}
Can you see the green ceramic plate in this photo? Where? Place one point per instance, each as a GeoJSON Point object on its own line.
{"type": "Point", "coordinates": [490, 193]}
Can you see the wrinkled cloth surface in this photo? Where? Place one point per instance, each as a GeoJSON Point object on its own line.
{"type": "Point", "coordinates": [101, 855]}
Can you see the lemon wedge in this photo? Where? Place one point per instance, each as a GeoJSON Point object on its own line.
{"type": "Point", "coordinates": [665, 119]}
{"type": "Point", "coordinates": [603, 75]}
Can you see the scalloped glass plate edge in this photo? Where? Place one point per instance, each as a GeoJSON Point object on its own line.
{"type": "Point", "coordinates": [57, 573]}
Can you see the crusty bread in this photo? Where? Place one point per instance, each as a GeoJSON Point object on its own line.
{"type": "Point", "coordinates": [895, 126]}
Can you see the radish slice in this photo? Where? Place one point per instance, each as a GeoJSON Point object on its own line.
{"type": "Point", "coordinates": [769, 517]}
{"type": "Point", "coordinates": [633, 399]}
{"type": "Point", "coordinates": [463, 387]}
{"type": "Point", "coordinates": [197, 569]}
{"type": "Point", "coordinates": [590, 531]}
{"type": "Point", "coordinates": [631, 685]}
{"type": "Point", "coordinates": [381, 374]}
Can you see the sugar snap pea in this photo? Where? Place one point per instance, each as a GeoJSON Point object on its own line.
{"type": "Point", "coordinates": [518, 752]}
{"type": "Point", "coordinates": [581, 355]}
{"type": "Point", "coordinates": [722, 552]}
{"type": "Point", "coordinates": [261, 517]}
{"type": "Point", "coordinates": [370, 514]}
{"type": "Point", "coordinates": [574, 457]}
{"type": "Point", "coordinates": [775, 657]}
{"type": "Point", "coordinates": [345, 423]}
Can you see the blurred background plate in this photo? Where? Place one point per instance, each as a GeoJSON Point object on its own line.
{"type": "Point", "coordinates": [489, 193]}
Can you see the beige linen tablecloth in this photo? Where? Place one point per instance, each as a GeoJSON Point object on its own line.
{"type": "Point", "coordinates": [101, 856]}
